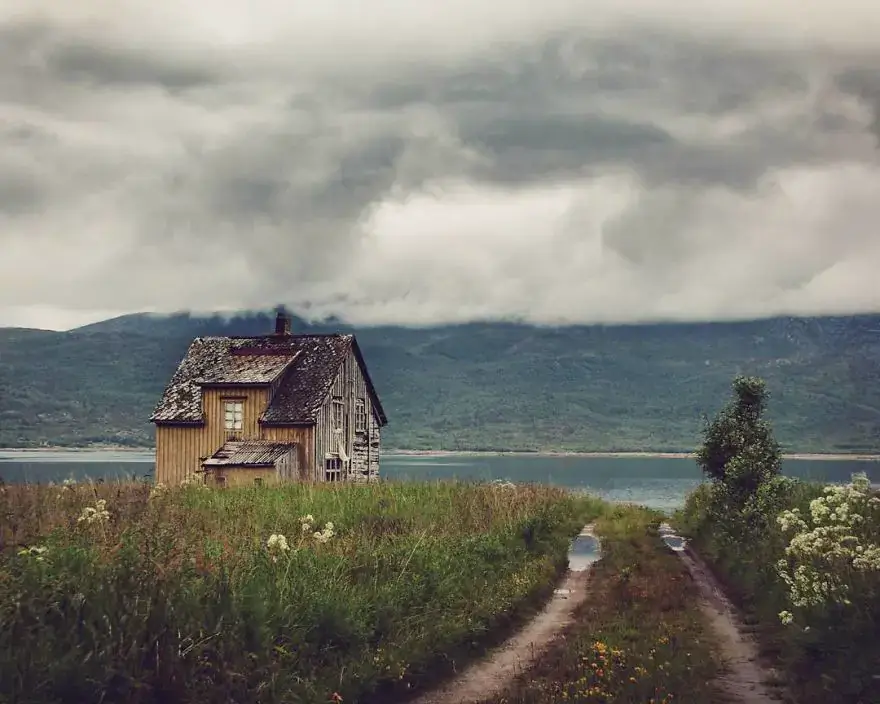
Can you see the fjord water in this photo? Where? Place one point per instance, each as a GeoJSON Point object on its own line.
{"type": "Point", "coordinates": [660, 482]}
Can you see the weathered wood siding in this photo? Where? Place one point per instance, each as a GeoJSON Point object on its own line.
{"type": "Point", "coordinates": [304, 437]}
{"type": "Point", "coordinates": [362, 448]}
{"type": "Point", "coordinates": [180, 449]}
{"type": "Point", "coordinates": [374, 444]}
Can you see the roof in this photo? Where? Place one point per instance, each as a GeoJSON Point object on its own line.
{"type": "Point", "coordinates": [249, 453]}
{"type": "Point", "coordinates": [247, 369]}
{"type": "Point", "coordinates": [303, 366]}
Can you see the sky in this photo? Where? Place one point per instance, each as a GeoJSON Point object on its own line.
{"type": "Point", "coordinates": [409, 162]}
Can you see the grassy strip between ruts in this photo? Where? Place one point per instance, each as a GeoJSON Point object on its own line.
{"type": "Point", "coordinates": [200, 595]}
{"type": "Point", "coordinates": [638, 638]}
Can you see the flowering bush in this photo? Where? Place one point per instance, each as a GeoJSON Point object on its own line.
{"type": "Point", "coordinates": [833, 551]}
{"type": "Point", "coordinates": [804, 560]}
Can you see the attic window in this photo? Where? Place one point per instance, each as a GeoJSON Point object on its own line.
{"type": "Point", "coordinates": [360, 415]}
{"type": "Point", "coordinates": [234, 416]}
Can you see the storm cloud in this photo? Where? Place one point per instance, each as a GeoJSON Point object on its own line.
{"type": "Point", "coordinates": [416, 163]}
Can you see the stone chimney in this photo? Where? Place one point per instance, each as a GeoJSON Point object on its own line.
{"type": "Point", "coordinates": [282, 323]}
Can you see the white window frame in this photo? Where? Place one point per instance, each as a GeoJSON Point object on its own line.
{"type": "Point", "coordinates": [360, 415]}
{"type": "Point", "coordinates": [233, 415]}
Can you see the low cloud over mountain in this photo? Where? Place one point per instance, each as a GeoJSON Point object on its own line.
{"type": "Point", "coordinates": [392, 161]}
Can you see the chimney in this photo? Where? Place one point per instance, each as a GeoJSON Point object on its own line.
{"type": "Point", "coordinates": [282, 323]}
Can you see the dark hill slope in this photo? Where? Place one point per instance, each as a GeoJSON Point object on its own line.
{"type": "Point", "coordinates": [481, 386]}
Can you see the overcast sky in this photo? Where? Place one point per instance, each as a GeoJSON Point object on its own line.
{"type": "Point", "coordinates": [415, 162]}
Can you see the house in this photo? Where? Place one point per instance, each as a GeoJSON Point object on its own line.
{"type": "Point", "coordinates": [246, 410]}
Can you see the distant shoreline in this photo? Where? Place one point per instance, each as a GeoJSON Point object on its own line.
{"type": "Point", "coordinates": [860, 457]}
{"type": "Point", "coordinates": [624, 454]}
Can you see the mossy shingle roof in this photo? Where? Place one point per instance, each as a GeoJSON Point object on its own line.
{"type": "Point", "coordinates": [304, 368]}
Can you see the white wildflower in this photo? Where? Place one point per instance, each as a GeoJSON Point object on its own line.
{"type": "Point", "coordinates": [277, 545]}
{"type": "Point", "coordinates": [36, 552]}
{"type": "Point", "coordinates": [786, 618]}
{"type": "Point", "coordinates": [193, 480]}
{"type": "Point", "coordinates": [324, 536]}
{"type": "Point", "coordinates": [277, 542]}
{"type": "Point", "coordinates": [95, 514]}
{"type": "Point", "coordinates": [158, 490]}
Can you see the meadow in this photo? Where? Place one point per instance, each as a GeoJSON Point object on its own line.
{"type": "Point", "coordinates": [301, 593]}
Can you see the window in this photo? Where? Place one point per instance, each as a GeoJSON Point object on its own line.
{"type": "Point", "coordinates": [258, 481]}
{"type": "Point", "coordinates": [234, 417]}
{"type": "Point", "coordinates": [220, 480]}
{"type": "Point", "coordinates": [333, 469]}
{"type": "Point", "coordinates": [338, 412]}
{"type": "Point", "coordinates": [360, 416]}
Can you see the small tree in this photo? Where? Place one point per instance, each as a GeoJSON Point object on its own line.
{"type": "Point", "coordinates": [739, 450]}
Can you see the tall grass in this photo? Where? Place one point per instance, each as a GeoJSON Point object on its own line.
{"type": "Point", "coordinates": [177, 597]}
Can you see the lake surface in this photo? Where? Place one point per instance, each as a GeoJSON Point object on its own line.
{"type": "Point", "coordinates": [659, 482]}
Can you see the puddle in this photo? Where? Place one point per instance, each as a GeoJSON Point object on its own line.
{"type": "Point", "coordinates": [584, 551]}
{"type": "Point", "coordinates": [674, 542]}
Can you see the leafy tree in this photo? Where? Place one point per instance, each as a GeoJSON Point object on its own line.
{"type": "Point", "coordinates": [739, 450]}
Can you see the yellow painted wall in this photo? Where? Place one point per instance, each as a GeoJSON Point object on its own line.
{"type": "Point", "coordinates": [181, 449]}
{"type": "Point", "coordinates": [244, 476]}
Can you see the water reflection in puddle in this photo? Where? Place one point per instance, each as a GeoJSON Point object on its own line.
{"type": "Point", "coordinates": [584, 551]}
{"type": "Point", "coordinates": [674, 542]}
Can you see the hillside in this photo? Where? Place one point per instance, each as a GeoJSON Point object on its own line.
{"type": "Point", "coordinates": [481, 386]}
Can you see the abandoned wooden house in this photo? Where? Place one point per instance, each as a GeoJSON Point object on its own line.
{"type": "Point", "coordinates": [246, 410]}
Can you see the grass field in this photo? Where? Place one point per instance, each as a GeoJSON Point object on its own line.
{"type": "Point", "coordinates": [295, 594]}
{"type": "Point", "coordinates": [639, 637]}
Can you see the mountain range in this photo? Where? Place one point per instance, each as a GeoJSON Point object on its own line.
{"type": "Point", "coordinates": [480, 386]}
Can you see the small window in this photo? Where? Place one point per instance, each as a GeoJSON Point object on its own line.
{"type": "Point", "coordinates": [221, 480]}
{"type": "Point", "coordinates": [234, 417]}
{"type": "Point", "coordinates": [258, 481]}
{"type": "Point", "coordinates": [333, 469]}
{"type": "Point", "coordinates": [360, 416]}
{"type": "Point", "coordinates": [338, 412]}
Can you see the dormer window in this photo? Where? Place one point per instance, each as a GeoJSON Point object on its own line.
{"type": "Point", "coordinates": [234, 416]}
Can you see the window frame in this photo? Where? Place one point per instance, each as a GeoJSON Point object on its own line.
{"type": "Point", "coordinates": [237, 406]}
{"type": "Point", "coordinates": [360, 415]}
{"type": "Point", "coordinates": [337, 406]}
{"type": "Point", "coordinates": [333, 468]}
